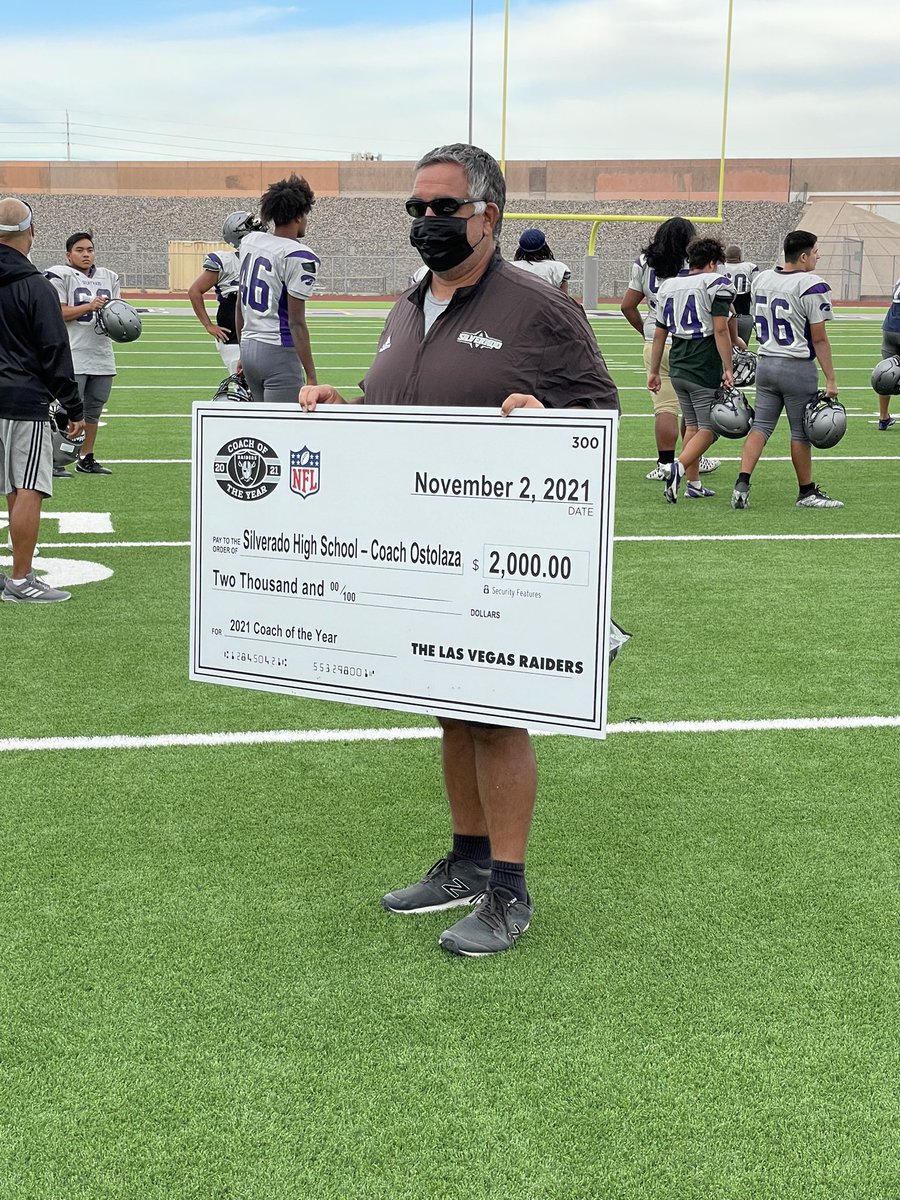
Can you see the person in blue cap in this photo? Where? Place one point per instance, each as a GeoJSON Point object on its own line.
{"type": "Point", "coordinates": [534, 255]}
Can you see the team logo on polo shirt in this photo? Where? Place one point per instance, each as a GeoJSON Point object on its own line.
{"type": "Point", "coordinates": [247, 468]}
{"type": "Point", "coordinates": [480, 341]}
{"type": "Point", "coordinates": [305, 471]}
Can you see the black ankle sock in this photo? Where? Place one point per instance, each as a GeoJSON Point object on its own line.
{"type": "Point", "coordinates": [511, 876]}
{"type": "Point", "coordinates": [665, 456]}
{"type": "Point", "coordinates": [806, 488]}
{"type": "Point", "coordinates": [744, 477]}
{"type": "Point", "coordinates": [476, 849]}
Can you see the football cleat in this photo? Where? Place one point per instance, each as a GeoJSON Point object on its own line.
{"type": "Point", "coordinates": [818, 499]}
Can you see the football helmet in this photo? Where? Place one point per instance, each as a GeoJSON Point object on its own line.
{"type": "Point", "coordinates": [743, 367]}
{"type": "Point", "coordinates": [118, 321]}
{"type": "Point", "coordinates": [238, 225]}
{"type": "Point", "coordinates": [65, 449]}
{"type": "Point", "coordinates": [886, 376]}
{"type": "Point", "coordinates": [824, 421]}
{"type": "Point", "coordinates": [730, 414]}
{"type": "Point", "coordinates": [233, 388]}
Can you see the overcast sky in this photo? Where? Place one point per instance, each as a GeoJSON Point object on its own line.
{"type": "Point", "coordinates": [219, 79]}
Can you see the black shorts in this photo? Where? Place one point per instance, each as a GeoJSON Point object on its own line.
{"type": "Point", "coordinates": [225, 318]}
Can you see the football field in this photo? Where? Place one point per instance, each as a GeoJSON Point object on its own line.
{"type": "Point", "coordinates": [201, 997]}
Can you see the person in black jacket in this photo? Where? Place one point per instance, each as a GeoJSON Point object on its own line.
{"type": "Point", "coordinates": [35, 368]}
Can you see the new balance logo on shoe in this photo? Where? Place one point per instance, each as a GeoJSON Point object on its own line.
{"type": "Point", "coordinates": [456, 887]}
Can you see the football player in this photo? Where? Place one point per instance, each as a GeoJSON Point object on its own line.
{"type": "Point", "coordinates": [665, 256]}
{"type": "Point", "coordinates": [83, 288]}
{"type": "Point", "coordinates": [220, 273]}
{"type": "Point", "coordinates": [890, 346]}
{"type": "Point", "coordinates": [791, 305]}
{"type": "Point", "coordinates": [694, 309]}
{"type": "Point", "coordinates": [741, 274]}
{"type": "Point", "coordinates": [534, 255]}
{"type": "Point", "coordinates": [277, 276]}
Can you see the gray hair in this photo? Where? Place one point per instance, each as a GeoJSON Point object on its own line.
{"type": "Point", "coordinates": [482, 170]}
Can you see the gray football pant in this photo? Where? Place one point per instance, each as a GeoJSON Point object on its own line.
{"type": "Point", "coordinates": [783, 383]}
{"type": "Point", "coordinates": [94, 391]}
{"type": "Point", "coordinates": [695, 402]}
{"type": "Point", "coordinates": [273, 373]}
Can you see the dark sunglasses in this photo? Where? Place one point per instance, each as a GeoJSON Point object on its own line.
{"type": "Point", "coordinates": [441, 206]}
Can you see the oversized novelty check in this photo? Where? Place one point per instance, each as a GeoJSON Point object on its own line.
{"type": "Point", "coordinates": [446, 561]}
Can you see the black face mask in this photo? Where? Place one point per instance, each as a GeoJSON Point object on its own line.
{"type": "Point", "coordinates": [441, 241]}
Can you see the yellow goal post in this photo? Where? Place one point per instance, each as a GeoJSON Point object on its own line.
{"type": "Point", "coordinates": [590, 295]}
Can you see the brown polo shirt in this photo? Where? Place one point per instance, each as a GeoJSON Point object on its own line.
{"type": "Point", "coordinates": [509, 332]}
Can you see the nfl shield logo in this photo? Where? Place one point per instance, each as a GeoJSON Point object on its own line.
{"type": "Point", "coordinates": [305, 471]}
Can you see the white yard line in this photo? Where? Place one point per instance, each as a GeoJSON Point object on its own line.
{"type": "Point", "coordinates": [294, 736]}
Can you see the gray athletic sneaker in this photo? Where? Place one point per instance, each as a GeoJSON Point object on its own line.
{"type": "Point", "coordinates": [445, 885]}
{"type": "Point", "coordinates": [33, 591]}
{"type": "Point", "coordinates": [498, 921]}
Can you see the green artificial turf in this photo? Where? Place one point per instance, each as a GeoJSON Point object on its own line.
{"type": "Point", "coordinates": [200, 996]}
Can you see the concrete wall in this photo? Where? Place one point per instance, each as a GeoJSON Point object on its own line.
{"type": "Point", "coordinates": [692, 180]}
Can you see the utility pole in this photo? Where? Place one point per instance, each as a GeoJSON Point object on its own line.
{"type": "Point", "coordinates": [471, 62]}
{"type": "Point", "coordinates": [68, 142]}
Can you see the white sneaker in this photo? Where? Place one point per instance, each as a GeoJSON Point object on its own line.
{"type": "Point", "coordinates": [658, 472]}
{"type": "Point", "coordinates": [708, 465]}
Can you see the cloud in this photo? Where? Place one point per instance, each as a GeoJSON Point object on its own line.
{"type": "Point", "coordinates": [614, 79]}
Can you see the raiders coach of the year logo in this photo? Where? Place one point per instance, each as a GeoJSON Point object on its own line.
{"type": "Point", "coordinates": [247, 468]}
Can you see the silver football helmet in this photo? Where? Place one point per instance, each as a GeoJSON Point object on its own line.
{"type": "Point", "coordinates": [65, 449]}
{"type": "Point", "coordinates": [824, 421]}
{"type": "Point", "coordinates": [743, 367]}
{"type": "Point", "coordinates": [118, 321]}
{"type": "Point", "coordinates": [730, 414]}
{"type": "Point", "coordinates": [233, 388]}
{"type": "Point", "coordinates": [886, 376]}
{"type": "Point", "coordinates": [238, 225]}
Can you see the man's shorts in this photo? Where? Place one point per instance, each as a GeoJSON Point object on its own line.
{"type": "Point", "coordinates": [94, 392]}
{"type": "Point", "coordinates": [890, 343]}
{"type": "Point", "coordinates": [665, 400]}
{"type": "Point", "coordinates": [26, 457]}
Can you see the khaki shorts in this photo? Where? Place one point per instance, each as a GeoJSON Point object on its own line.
{"type": "Point", "coordinates": [26, 457]}
{"type": "Point", "coordinates": [665, 400]}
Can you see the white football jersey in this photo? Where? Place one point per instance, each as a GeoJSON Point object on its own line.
{"type": "Point", "coordinates": [685, 303]}
{"type": "Point", "coordinates": [741, 275]}
{"type": "Point", "coordinates": [273, 268]}
{"type": "Point", "coordinates": [223, 263]}
{"type": "Point", "coordinates": [92, 352]}
{"type": "Point", "coordinates": [643, 279]}
{"type": "Point", "coordinates": [548, 269]}
{"type": "Point", "coordinates": [785, 305]}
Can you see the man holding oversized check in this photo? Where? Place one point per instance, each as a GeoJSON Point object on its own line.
{"type": "Point", "coordinates": [476, 332]}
